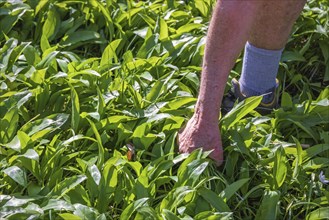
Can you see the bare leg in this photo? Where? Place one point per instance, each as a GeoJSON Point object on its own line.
{"type": "Point", "coordinates": [228, 32]}
{"type": "Point", "coordinates": [232, 24]}
{"type": "Point", "coordinates": [272, 26]}
{"type": "Point", "coordinates": [270, 30]}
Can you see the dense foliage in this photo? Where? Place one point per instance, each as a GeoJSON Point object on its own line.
{"type": "Point", "coordinates": [82, 82]}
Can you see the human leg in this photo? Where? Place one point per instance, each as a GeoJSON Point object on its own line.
{"type": "Point", "coordinates": [228, 31]}
{"type": "Point", "coordinates": [269, 34]}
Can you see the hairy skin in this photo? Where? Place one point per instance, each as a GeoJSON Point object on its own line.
{"type": "Point", "coordinates": [232, 24]}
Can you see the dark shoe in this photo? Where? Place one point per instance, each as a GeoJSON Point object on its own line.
{"type": "Point", "coordinates": [235, 95]}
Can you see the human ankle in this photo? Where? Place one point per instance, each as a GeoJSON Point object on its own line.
{"type": "Point", "coordinates": [259, 72]}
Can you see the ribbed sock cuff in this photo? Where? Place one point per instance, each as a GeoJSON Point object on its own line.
{"type": "Point", "coordinates": [260, 67]}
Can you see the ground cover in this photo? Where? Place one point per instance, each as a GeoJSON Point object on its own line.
{"type": "Point", "coordinates": [82, 82]}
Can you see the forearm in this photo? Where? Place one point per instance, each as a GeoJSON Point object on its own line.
{"type": "Point", "coordinates": [228, 32]}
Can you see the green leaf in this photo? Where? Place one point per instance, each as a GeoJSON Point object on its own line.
{"type": "Point", "coordinates": [313, 151]}
{"type": "Point", "coordinates": [286, 101]}
{"type": "Point", "coordinates": [168, 215]}
{"type": "Point", "coordinates": [6, 52]}
{"type": "Point", "coordinates": [109, 53]}
{"type": "Point", "coordinates": [147, 212]}
{"type": "Point", "coordinates": [175, 198]}
{"type": "Point", "coordinates": [75, 118]}
{"type": "Point", "coordinates": [101, 151]}
{"type": "Point", "coordinates": [133, 207]}
{"type": "Point", "coordinates": [289, 56]}
{"type": "Point", "coordinates": [95, 174]}
{"type": "Point", "coordinates": [8, 125]}
{"type": "Point", "coordinates": [51, 25]}
{"type": "Point", "coordinates": [77, 37]}
{"type": "Point", "coordinates": [240, 110]}
{"type": "Point", "coordinates": [46, 61]}
{"type": "Point", "coordinates": [299, 159]}
{"type": "Point", "coordinates": [280, 168]}
{"type": "Point", "coordinates": [320, 213]}
{"type": "Point", "coordinates": [17, 202]}
{"type": "Point", "coordinates": [17, 174]}
{"type": "Point", "coordinates": [202, 7]}
{"type": "Point", "coordinates": [192, 173]}
{"type": "Point", "coordinates": [188, 28]}
{"type": "Point", "coordinates": [155, 91]}
{"type": "Point", "coordinates": [69, 216]}
{"type": "Point", "coordinates": [67, 184]}
{"type": "Point", "coordinates": [163, 29]}
{"type": "Point", "coordinates": [269, 206]}
{"type": "Point", "coordinates": [52, 122]}
{"type": "Point", "coordinates": [58, 205]}
{"type": "Point", "coordinates": [14, 144]}
{"type": "Point", "coordinates": [209, 215]}
{"type": "Point", "coordinates": [230, 190]}
{"type": "Point", "coordinates": [31, 154]}
{"type": "Point", "coordinates": [213, 199]}
{"type": "Point", "coordinates": [84, 212]}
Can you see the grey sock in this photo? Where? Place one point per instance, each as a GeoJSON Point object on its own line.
{"type": "Point", "coordinates": [260, 67]}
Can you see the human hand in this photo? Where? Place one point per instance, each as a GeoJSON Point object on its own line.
{"type": "Point", "coordinates": [201, 134]}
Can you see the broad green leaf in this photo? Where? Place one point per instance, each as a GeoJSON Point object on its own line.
{"type": "Point", "coordinates": [280, 168]}
{"type": "Point", "coordinates": [9, 21]}
{"type": "Point", "coordinates": [16, 53]}
{"type": "Point", "coordinates": [133, 207]}
{"type": "Point", "coordinates": [31, 154]}
{"type": "Point", "coordinates": [155, 91]}
{"type": "Point", "coordinates": [17, 174]}
{"type": "Point", "coordinates": [213, 199]}
{"type": "Point", "coordinates": [84, 212]}
{"type": "Point", "coordinates": [163, 29]}
{"type": "Point", "coordinates": [6, 52]}
{"type": "Point", "coordinates": [44, 43]}
{"type": "Point", "coordinates": [75, 117]}
{"type": "Point", "coordinates": [316, 163]}
{"type": "Point", "coordinates": [292, 56]}
{"type": "Point", "coordinates": [14, 144]}
{"type": "Point", "coordinates": [77, 37]}
{"type": "Point", "coordinates": [168, 215]}
{"type": "Point", "coordinates": [202, 7]}
{"type": "Point", "coordinates": [147, 212]}
{"type": "Point", "coordinates": [46, 61]}
{"type": "Point", "coordinates": [69, 216]}
{"type": "Point", "coordinates": [313, 151]}
{"type": "Point", "coordinates": [286, 101]}
{"type": "Point", "coordinates": [183, 170]}
{"type": "Point", "coordinates": [209, 215]}
{"type": "Point", "coordinates": [52, 122]}
{"type": "Point", "coordinates": [175, 198]}
{"type": "Point", "coordinates": [232, 189]}
{"type": "Point", "coordinates": [320, 213]}
{"type": "Point", "coordinates": [8, 125]}
{"type": "Point", "coordinates": [147, 49]}
{"type": "Point", "coordinates": [85, 72]}
{"type": "Point", "coordinates": [193, 172]}
{"type": "Point", "coordinates": [299, 159]}
{"type": "Point", "coordinates": [40, 6]}
{"type": "Point", "coordinates": [17, 202]}
{"type": "Point", "coordinates": [269, 206]}
{"type": "Point", "coordinates": [110, 53]}
{"type": "Point", "coordinates": [188, 28]}
{"type": "Point", "coordinates": [51, 25]}
{"type": "Point", "coordinates": [95, 174]}
{"type": "Point", "coordinates": [66, 185]}
{"type": "Point", "coordinates": [240, 110]}
{"type": "Point", "coordinates": [58, 205]}
{"type": "Point", "coordinates": [101, 151]}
